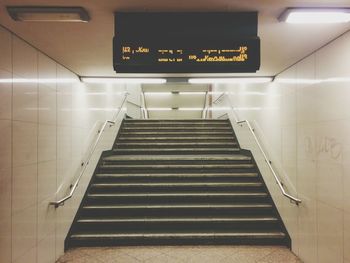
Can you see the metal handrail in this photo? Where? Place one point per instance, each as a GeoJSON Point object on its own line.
{"type": "Point", "coordinates": [205, 107]}
{"type": "Point", "coordinates": [296, 200]}
{"type": "Point", "coordinates": [74, 186]}
{"type": "Point", "coordinates": [144, 108]}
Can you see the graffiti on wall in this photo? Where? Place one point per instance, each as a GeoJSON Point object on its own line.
{"type": "Point", "coordinates": [324, 145]}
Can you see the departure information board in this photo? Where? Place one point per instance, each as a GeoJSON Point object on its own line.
{"type": "Point", "coordinates": [226, 44]}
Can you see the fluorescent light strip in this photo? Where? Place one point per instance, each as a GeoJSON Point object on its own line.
{"type": "Point", "coordinates": [175, 93]}
{"type": "Point", "coordinates": [318, 18]}
{"type": "Point", "coordinates": [157, 93]}
{"type": "Point", "coordinates": [201, 109]}
{"type": "Point", "coordinates": [159, 109]}
{"type": "Point", "coordinates": [229, 80]}
{"type": "Point", "coordinates": [124, 80]}
{"type": "Point", "coordinates": [20, 80]}
{"type": "Point", "coordinates": [311, 81]}
{"type": "Point", "coordinates": [301, 15]}
{"type": "Point", "coordinates": [48, 14]}
{"type": "Point", "coordinates": [192, 92]}
{"type": "Point", "coordinates": [190, 109]}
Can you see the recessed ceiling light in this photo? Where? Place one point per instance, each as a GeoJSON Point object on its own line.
{"type": "Point", "coordinates": [124, 80]}
{"type": "Point", "coordinates": [48, 14]}
{"type": "Point", "coordinates": [300, 15]}
{"type": "Point", "coordinates": [230, 80]}
{"type": "Point", "coordinates": [159, 109]}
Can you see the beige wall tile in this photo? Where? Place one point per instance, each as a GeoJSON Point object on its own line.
{"type": "Point", "coordinates": [46, 219]}
{"type": "Point", "coordinates": [25, 102]}
{"type": "Point", "coordinates": [5, 95]}
{"type": "Point", "coordinates": [47, 105]}
{"type": "Point", "coordinates": [25, 143]}
{"type": "Point", "coordinates": [330, 245]}
{"type": "Point", "coordinates": [5, 142]}
{"type": "Point", "coordinates": [24, 189]}
{"type": "Point", "coordinates": [47, 143]}
{"type": "Point", "coordinates": [46, 249]}
{"type": "Point", "coordinates": [25, 59]}
{"type": "Point", "coordinates": [24, 233]}
{"type": "Point", "coordinates": [5, 214]}
{"type": "Point", "coordinates": [5, 50]}
{"type": "Point", "coordinates": [47, 180]}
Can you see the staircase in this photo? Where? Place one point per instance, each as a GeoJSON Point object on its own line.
{"type": "Point", "coordinates": [176, 182]}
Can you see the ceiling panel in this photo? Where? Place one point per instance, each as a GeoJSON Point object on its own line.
{"type": "Point", "coordinates": [86, 48]}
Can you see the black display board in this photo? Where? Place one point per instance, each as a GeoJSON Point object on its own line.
{"type": "Point", "coordinates": [186, 43]}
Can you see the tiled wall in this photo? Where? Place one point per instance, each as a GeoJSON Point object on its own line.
{"type": "Point", "coordinates": [46, 119]}
{"type": "Point", "coordinates": [303, 119]}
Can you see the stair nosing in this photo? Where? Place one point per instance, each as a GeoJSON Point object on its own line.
{"type": "Point", "coordinates": [178, 184]}
{"type": "Point", "coordinates": [180, 219]}
{"type": "Point", "coordinates": [275, 234]}
{"type": "Point", "coordinates": [184, 175]}
{"type": "Point", "coordinates": [215, 206]}
{"type": "Point", "coordinates": [177, 158]}
{"type": "Point", "coordinates": [179, 194]}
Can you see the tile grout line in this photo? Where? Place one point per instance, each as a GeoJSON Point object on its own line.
{"type": "Point", "coordinates": [316, 197]}
{"type": "Point", "coordinates": [37, 160]}
{"type": "Point", "coordinates": [12, 180]}
{"type": "Point", "coordinates": [56, 161]}
{"type": "Point", "coordinates": [297, 159]}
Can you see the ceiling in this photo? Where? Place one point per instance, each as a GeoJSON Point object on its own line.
{"type": "Point", "coordinates": [86, 48]}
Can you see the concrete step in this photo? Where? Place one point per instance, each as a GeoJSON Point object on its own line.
{"type": "Point", "coordinates": [178, 151]}
{"type": "Point", "coordinates": [176, 139]}
{"type": "Point", "coordinates": [169, 197]}
{"type": "Point", "coordinates": [182, 166]}
{"type": "Point", "coordinates": [181, 224]}
{"type": "Point", "coordinates": [154, 158]}
{"type": "Point", "coordinates": [174, 144]}
{"type": "Point", "coordinates": [186, 194]}
{"type": "Point", "coordinates": [176, 124]}
{"type": "Point", "coordinates": [215, 185]}
{"type": "Point", "coordinates": [198, 121]}
{"type": "Point", "coordinates": [204, 238]}
{"type": "Point", "coordinates": [170, 128]}
{"type": "Point", "coordinates": [189, 209]}
{"type": "Point", "coordinates": [175, 134]}
{"type": "Point", "coordinates": [177, 177]}
{"type": "Point", "coordinates": [174, 187]}
{"type": "Point", "coordinates": [213, 206]}
{"type": "Point", "coordinates": [255, 219]}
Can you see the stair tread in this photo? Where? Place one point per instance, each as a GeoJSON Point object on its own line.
{"type": "Point", "coordinates": [177, 157]}
{"type": "Point", "coordinates": [178, 166]}
{"type": "Point", "coordinates": [181, 194]}
{"type": "Point", "coordinates": [177, 150]}
{"type": "Point", "coordinates": [178, 184]}
{"type": "Point", "coordinates": [187, 127]}
{"type": "Point", "coordinates": [173, 206]}
{"type": "Point", "coordinates": [178, 133]}
{"type": "Point", "coordinates": [176, 120]}
{"type": "Point", "coordinates": [111, 175]}
{"type": "Point", "coordinates": [176, 143]}
{"type": "Point", "coordinates": [179, 219]}
{"type": "Point", "coordinates": [123, 138]}
{"type": "Point", "coordinates": [186, 234]}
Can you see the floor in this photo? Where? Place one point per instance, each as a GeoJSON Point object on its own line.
{"type": "Point", "coordinates": [193, 254]}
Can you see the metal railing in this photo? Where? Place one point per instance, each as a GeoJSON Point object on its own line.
{"type": "Point", "coordinates": [144, 106]}
{"type": "Point", "coordinates": [205, 106]}
{"type": "Point", "coordinates": [280, 184]}
{"type": "Point", "coordinates": [74, 185]}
